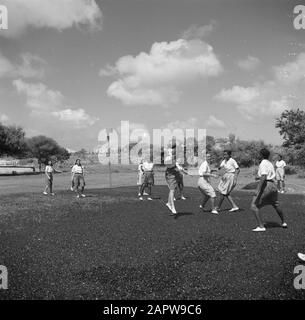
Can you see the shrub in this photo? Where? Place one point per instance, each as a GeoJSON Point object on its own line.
{"type": "Point", "coordinates": [289, 170]}
{"type": "Point", "coordinates": [301, 175]}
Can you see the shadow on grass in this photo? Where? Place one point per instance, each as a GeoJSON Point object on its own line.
{"type": "Point", "coordinates": [181, 214]}
{"type": "Point", "coordinates": [271, 225]}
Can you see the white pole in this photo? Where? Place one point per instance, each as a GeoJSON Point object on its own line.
{"type": "Point", "coordinates": [109, 162]}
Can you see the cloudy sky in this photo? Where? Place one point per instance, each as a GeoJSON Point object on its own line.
{"type": "Point", "coordinates": [69, 69]}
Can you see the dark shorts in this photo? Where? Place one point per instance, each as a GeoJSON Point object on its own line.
{"type": "Point", "coordinates": [180, 179]}
{"type": "Point", "coordinates": [267, 196]}
{"type": "Point", "coordinates": [49, 182]}
{"type": "Point", "coordinates": [78, 180]}
{"type": "Point", "coordinates": [149, 178]}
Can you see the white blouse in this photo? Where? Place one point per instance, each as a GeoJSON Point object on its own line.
{"type": "Point", "coordinates": [280, 164]}
{"type": "Point", "coordinates": [49, 169]}
{"type": "Point", "coordinates": [230, 166]}
{"type": "Point", "coordinates": [77, 169]}
{"type": "Point", "coordinates": [266, 168]}
{"type": "Point", "coordinates": [204, 168]}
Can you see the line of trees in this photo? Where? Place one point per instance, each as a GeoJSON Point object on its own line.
{"type": "Point", "coordinates": [291, 125]}
{"type": "Point", "coordinates": [14, 143]}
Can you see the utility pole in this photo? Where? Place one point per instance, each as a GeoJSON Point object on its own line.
{"type": "Point", "coordinates": [109, 162]}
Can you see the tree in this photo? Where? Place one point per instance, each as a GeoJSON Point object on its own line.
{"type": "Point", "coordinates": [81, 153]}
{"type": "Point", "coordinates": [300, 157]}
{"type": "Point", "coordinates": [246, 153]}
{"type": "Point", "coordinates": [45, 149]}
{"type": "Point", "coordinates": [232, 138]}
{"type": "Point", "coordinates": [12, 141]}
{"type": "Point", "coordinates": [292, 128]}
{"type": "Point", "coordinates": [210, 143]}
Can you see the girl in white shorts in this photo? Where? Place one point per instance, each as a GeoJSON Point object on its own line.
{"type": "Point", "coordinates": [204, 185]}
{"type": "Point", "coordinates": [280, 173]}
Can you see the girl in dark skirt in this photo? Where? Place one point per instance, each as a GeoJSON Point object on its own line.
{"type": "Point", "coordinates": [266, 192]}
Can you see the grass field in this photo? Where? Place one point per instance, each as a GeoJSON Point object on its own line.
{"type": "Point", "coordinates": [97, 176]}
{"type": "Point", "coordinates": [111, 246]}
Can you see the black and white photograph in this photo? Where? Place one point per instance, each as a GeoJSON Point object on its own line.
{"type": "Point", "coordinates": [152, 150]}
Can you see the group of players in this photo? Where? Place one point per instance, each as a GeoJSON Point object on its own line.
{"type": "Point", "coordinates": [77, 179]}
{"type": "Point", "coordinates": [266, 192]}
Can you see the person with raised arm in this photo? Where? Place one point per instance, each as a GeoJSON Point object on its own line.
{"type": "Point", "coordinates": [180, 183]}
{"type": "Point", "coordinates": [171, 177]}
{"type": "Point", "coordinates": [266, 192]}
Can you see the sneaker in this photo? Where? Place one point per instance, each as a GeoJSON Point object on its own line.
{"type": "Point", "coordinates": [45, 193]}
{"type": "Point", "coordinates": [78, 196]}
{"type": "Point", "coordinates": [71, 189]}
{"type": "Point", "coordinates": [149, 198]}
{"type": "Point", "coordinates": [145, 194]}
{"type": "Point", "coordinates": [139, 194]}
{"type": "Point", "coordinates": [83, 196]}
{"type": "Point", "coordinates": [203, 209]}
{"type": "Point", "coordinates": [301, 256]}
{"type": "Point", "coordinates": [259, 229]}
{"type": "Point", "coordinates": [53, 194]}
{"type": "Point", "coordinates": [234, 209]}
{"type": "Point", "coordinates": [214, 211]}
{"type": "Point", "coordinates": [141, 198]}
{"type": "Point", "coordinates": [183, 198]}
{"type": "Point", "coordinates": [169, 206]}
{"type": "Point", "coordinates": [174, 212]}
{"type": "Point", "coordinates": [284, 225]}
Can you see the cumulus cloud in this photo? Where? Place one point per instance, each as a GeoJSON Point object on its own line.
{"type": "Point", "coordinates": [31, 66]}
{"type": "Point", "coordinates": [45, 102]}
{"type": "Point", "coordinates": [4, 118]}
{"type": "Point", "coordinates": [55, 14]}
{"type": "Point", "coordinates": [157, 77]}
{"type": "Point", "coordinates": [179, 127]}
{"type": "Point", "coordinates": [134, 128]}
{"type": "Point", "coordinates": [249, 64]}
{"type": "Point", "coordinates": [199, 32]}
{"type": "Point", "coordinates": [292, 72]}
{"type": "Point", "coordinates": [190, 123]}
{"type": "Point", "coordinates": [79, 117]}
{"type": "Point", "coordinates": [6, 66]}
{"type": "Point", "coordinates": [238, 94]}
{"type": "Point", "coordinates": [269, 98]}
{"type": "Point", "coordinates": [107, 71]}
{"type": "Point", "coordinates": [214, 122]}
